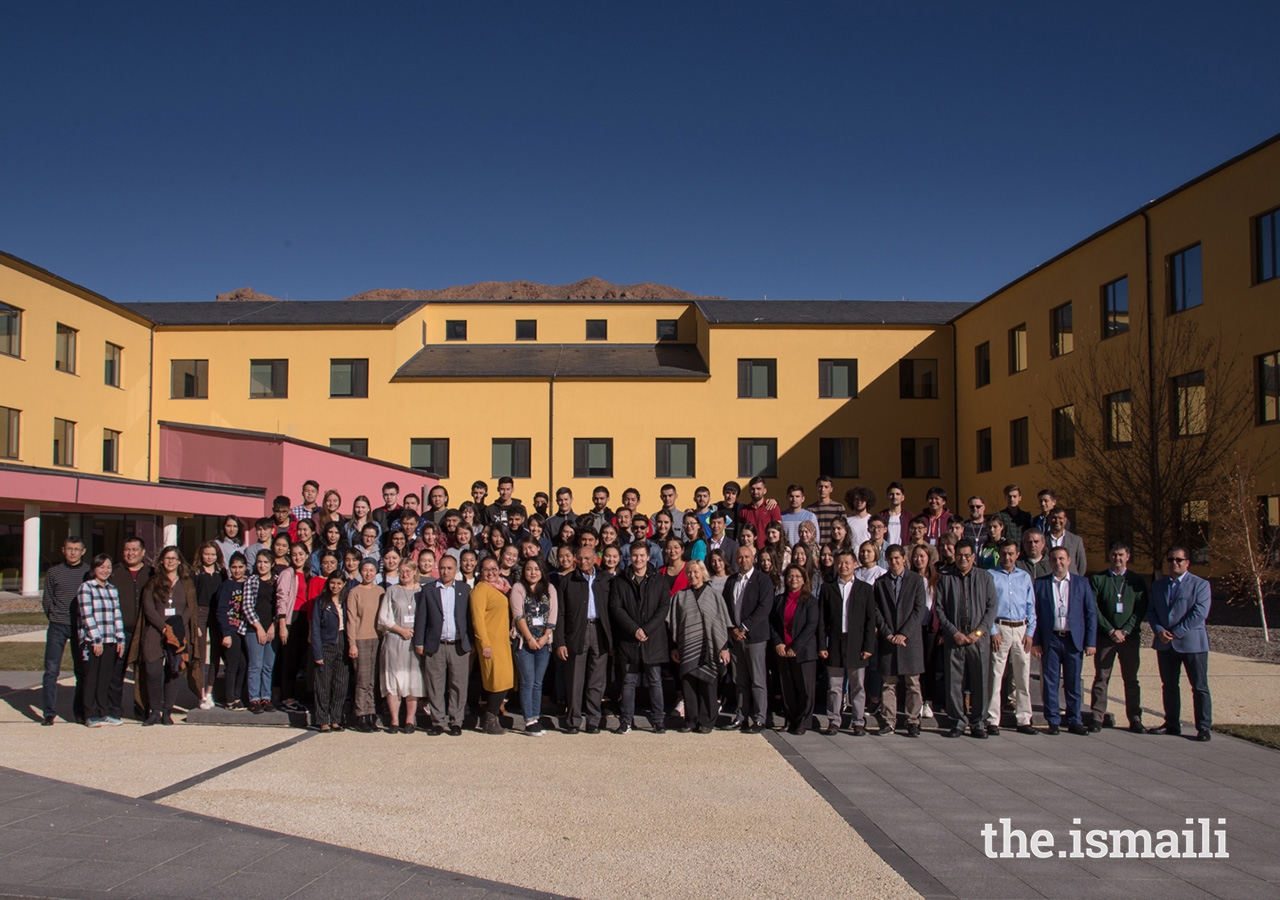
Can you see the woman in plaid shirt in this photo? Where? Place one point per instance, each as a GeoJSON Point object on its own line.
{"type": "Point", "coordinates": [101, 638]}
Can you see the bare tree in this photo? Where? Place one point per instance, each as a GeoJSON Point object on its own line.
{"type": "Point", "coordinates": [1140, 448]}
{"type": "Point", "coordinates": [1245, 548]}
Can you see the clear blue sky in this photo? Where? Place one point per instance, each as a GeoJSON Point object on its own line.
{"type": "Point", "coordinates": [823, 149]}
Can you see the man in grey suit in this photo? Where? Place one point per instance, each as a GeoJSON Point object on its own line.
{"type": "Point", "coordinates": [749, 596]}
{"type": "Point", "coordinates": [900, 606]}
{"type": "Point", "coordinates": [966, 606]}
{"type": "Point", "coordinates": [442, 637]}
{"type": "Point", "coordinates": [1177, 612]}
{"type": "Point", "coordinates": [1058, 536]}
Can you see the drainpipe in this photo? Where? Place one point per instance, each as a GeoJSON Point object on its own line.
{"type": "Point", "coordinates": [1152, 396]}
{"type": "Point", "coordinates": [151, 379]}
{"type": "Point", "coordinates": [551, 431]}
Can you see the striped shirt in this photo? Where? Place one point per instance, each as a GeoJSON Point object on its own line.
{"type": "Point", "coordinates": [100, 619]}
{"type": "Point", "coordinates": [60, 585]}
{"type": "Point", "coordinates": [827, 514]}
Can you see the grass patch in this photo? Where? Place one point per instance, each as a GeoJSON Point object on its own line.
{"type": "Point", "coordinates": [23, 618]}
{"type": "Point", "coordinates": [24, 656]}
{"type": "Point", "coordinates": [1267, 735]}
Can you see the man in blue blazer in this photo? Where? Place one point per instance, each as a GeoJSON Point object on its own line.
{"type": "Point", "coordinates": [1177, 611]}
{"type": "Point", "coordinates": [1066, 632]}
{"type": "Point", "coordinates": [442, 637]}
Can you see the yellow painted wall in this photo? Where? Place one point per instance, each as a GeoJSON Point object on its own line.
{"type": "Point", "coordinates": [32, 385]}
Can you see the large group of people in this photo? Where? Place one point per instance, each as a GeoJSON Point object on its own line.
{"type": "Point", "coordinates": [729, 614]}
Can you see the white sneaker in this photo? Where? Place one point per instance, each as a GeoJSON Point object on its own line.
{"type": "Point", "coordinates": [680, 709]}
{"type": "Point", "coordinates": [112, 720]}
{"type": "Point", "coordinates": [926, 711]}
{"type": "Point", "coordinates": [207, 702]}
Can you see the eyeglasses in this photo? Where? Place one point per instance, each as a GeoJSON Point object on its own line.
{"type": "Point", "coordinates": [1178, 559]}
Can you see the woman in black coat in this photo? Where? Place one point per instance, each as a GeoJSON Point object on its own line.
{"type": "Point", "coordinates": [793, 626]}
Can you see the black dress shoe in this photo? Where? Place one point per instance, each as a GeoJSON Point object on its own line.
{"type": "Point", "coordinates": [956, 731]}
{"type": "Point", "coordinates": [913, 731]}
{"type": "Point", "coordinates": [1027, 729]}
{"type": "Point", "coordinates": [746, 727]}
{"type": "Point", "coordinates": [859, 730]}
{"type": "Point", "coordinates": [686, 728]}
{"type": "Point", "coordinates": [799, 730]}
{"type": "Point", "coordinates": [1078, 728]}
{"type": "Point", "coordinates": [573, 729]}
{"type": "Point", "coordinates": [659, 729]}
{"type": "Point", "coordinates": [831, 731]}
{"type": "Point", "coordinates": [884, 730]}
{"type": "Point", "coordinates": [979, 732]}
{"type": "Point", "coordinates": [48, 720]}
{"type": "Point", "coordinates": [408, 728]}
{"type": "Point", "coordinates": [1094, 727]}
{"type": "Point", "coordinates": [1136, 727]}
{"type": "Point", "coordinates": [592, 729]}
{"type": "Point", "coordinates": [1203, 735]}
{"type": "Point", "coordinates": [1172, 730]}
{"type": "Point", "coordinates": [455, 731]}
{"type": "Point", "coordinates": [166, 719]}
{"type": "Point", "coordinates": [993, 730]}
{"type": "Point", "coordinates": [1053, 729]}
{"type": "Point", "coordinates": [153, 719]}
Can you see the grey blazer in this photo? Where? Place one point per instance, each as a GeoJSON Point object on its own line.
{"type": "Point", "coordinates": [1075, 547]}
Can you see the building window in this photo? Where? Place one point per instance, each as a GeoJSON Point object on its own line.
{"type": "Point", "coordinates": [674, 458]}
{"type": "Point", "coordinates": [1117, 524]}
{"type": "Point", "coordinates": [1189, 412]}
{"type": "Point", "coordinates": [64, 359]}
{"type": "Point", "coordinates": [757, 456]}
{"type": "Point", "coordinates": [1185, 286]}
{"type": "Point", "coordinates": [1017, 348]}
{"type": "Point", "coordinates": [1269, 510]}
{"type": "Point", "coordinates": [10, 330]}
{"type": "Point", "coordinates": [1269, 387]}
{"type": "Point", "coordinates": [455, 330]}
{"type": "Point", "coordinates": [1193, 530]}
{"type": "Point", "coordinates": [1019, 442]}
{"type": "Point", "coordinates": [1119, 419]}
{"type": "Point", "coordinates": [64, 442]}
{"type": "Point", "coordinates": [111, 365]}
{"type": "Point", "coordinates": [668, 330]}
{"type": "Point", "coordinates": [110, 450]}
{"type": "Point", "coordinates": [348, 378]}
{"type": "Point", "coordinates": [920, 457]}
{"type": "Point", "coordinates": [189, 379]}
{"type": "Point", "coordinates": [526, 329]}
{"type": "Point", "coordinates": [984, 449]}
{"type": "Point", "coordinates": [758, 378]}
{"type": "Point", "coordinates": [982, 363]}
{"type": "Point", "coordinates": [511, 457]}
{"type": "Point", "coordinates": [838, 457]}
{"type": "Point", "coordinates": [1266, 248]}
{"type": "Point", "coordinates": [430, 455]}
{"type": "Point", "coordinates": [354, 446]}
{"type": "Point", "coordinates": [1061, 339]}
{"type": "Point", "coordinates": [593, 457]}
{"type": "Point", "coordinates": [597, 329]}
{"type": "Point", "coordinates": [1115, 307]}
{"type": "Point", "coordinates": [838, 378]}
{"type": "Point", "coordinates": [1064, 432]}
{"type": "Point", "coordinates": [918, 379]}
{"type": "Point", "coordinates": [10, 420]}
{"type": "Point", "coordinates": [268, 379]}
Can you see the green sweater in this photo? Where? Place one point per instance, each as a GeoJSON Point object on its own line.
{"type": "Point", "coordinates": [1121, 601]}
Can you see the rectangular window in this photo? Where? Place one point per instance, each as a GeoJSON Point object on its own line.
{"type": "Point", "coordinates": [268, 379]}
{"type": "Point", "coordinates": [1061, 338]}
{"type": "Point", "coordinates": [430, 455]}
{"type": "Point", "coordinates": [1119, 419]}
{"type": "Point", "coordinates": [757, 456]}
{"type": "Point", "coordinates": [189, 379]}
{"type": "Point", "coordinates": [111, 365]}
{"type": "Point", "coordinates": [64, 442]}
{"type": "Point", "coordinates": [511, 457]}
{"type": "Point", "coordinates": [1019, 442]}
{"type": "Point", "coordinates": [348, 378]}
{"type": "Point", "coordinates": [1189, 412]}
{"type": "Point", "coordinates": [674, 458]}
{"type": "Point", "coordinates": [1017, 348]}
{"type": "Point", "coordinates": [354, 446]}
{"type": "Point", "coordinates": [110, 450]}
{"type": "Point", "coordinates": [593, 457]}
{"type": "Point", "coordinates": [668, 330]}
{"type": "Point", "coordinates": [982, 363]}
{"type": "Point", "coordinates": [1269, 511]}
{"type": "Point", "coordinates": [838, 457]}
{"type": "Point", "coordinates": [984, 449]}
{"type": "Point", "coordinates": [1185, 286]}
{"type": "Point", "coordinates": [920, 457]}
{"type": "Point", "coordinates": [10, 330]}
{"type": "Point", "coordinates": [10, 420]}
{"type": "Point", "coordinates": [1117, 524]}
{"type": "Point", "coordinates": [526, 329]}
{"type": "Point", "coordinates": [1115, 307]}
{"type": "Point", "coordinates": [455, 330]}
{"type": "Point", "coordinates": [1266, 247]}
{"type": "Point", "coordinates": [597, 329]}
{"type": "Point", "coordinates": [758, 378]}
{"type": "Point", "coordinates": [64, 359]}
{"type": "Point", "coordinates": [1193, 528]}
{"type": "Point", "coordinates": [1064, 432]}
{"type": "Point", "coordinates": [1269, 387]}
{"type": "Point", "coordinates": [918, 379]}
{"type": "Point", "coordinates": [838, 378]}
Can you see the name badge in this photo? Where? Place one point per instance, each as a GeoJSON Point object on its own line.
{"type": "Point", "coordinates": [170, 611]}
{"type": "Point", "coordinates": [410, 618]}
{"type": "Point", "coordinates": [536, 621]}
{"type": "Point", "coordinates": [1119, 606]}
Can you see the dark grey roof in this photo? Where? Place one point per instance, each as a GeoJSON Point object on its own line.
{"type": "Point", "coordinates": [829, 312]}
{"type": "Point", "coordinates": [560, 360]}
{"type": "Point", "coordinates": [280, 312]}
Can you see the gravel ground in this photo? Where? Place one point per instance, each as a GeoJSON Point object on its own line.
{"type": "Point", "coordinates": [1246, 642]}
{"type": "Point", "coordinates": [19, 629]}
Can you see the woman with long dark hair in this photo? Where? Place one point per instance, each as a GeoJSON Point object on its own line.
{"type": "Point", "coordinates": [331, 538]}
{"type": "Point", "coordinates": [491, 621]}
{"type": "Point", "coordinates": [168, 612]}
{"type": "Point", "coordinates": [534, 609]}
{"type": "Point", "coordinates": [923, 560]}
{"type": "Point", "coordinates": [230, 537]}
{"type": "Point", "coordinates": [229, 614]}
{"type": "Point", "coordinates": [209, 574]}
{"type": "Point", "coordinates": [293, 607]}
{"type": "Point", "coordinates": [794, 634]}
{"type": "Point", "coordinates": [101, 638]}
{"type": "Point", "coordinates": [361, 515]}
{"type": "Point", "coordinates": [328, 654]}
{"type": "Point", "coordinates": [261, 644]}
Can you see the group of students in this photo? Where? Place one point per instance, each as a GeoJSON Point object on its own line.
{"type": "Point", "coordinates": [737, 605]}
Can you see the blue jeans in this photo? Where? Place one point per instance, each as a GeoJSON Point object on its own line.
{"type": "Point", "coordinates": [262, 660]}
{"type": "Point", "coordinates": [533, 666]}
{"type": "Point", "coordinates": [55, 642]}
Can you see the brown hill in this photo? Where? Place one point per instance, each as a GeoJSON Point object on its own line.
{"type": "Point", "coordinates": [586, 289]}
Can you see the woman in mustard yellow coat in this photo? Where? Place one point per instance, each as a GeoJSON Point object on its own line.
{"type": "Point", "coordinates": [491, 619]}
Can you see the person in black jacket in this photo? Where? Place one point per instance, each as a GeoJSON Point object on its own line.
{"type": "Point", "coordinates": [900, 606]}
{"type": "Point", "coordinates": [329, 652]}
{"type": "Point", "coordinates": [846, 640]}
{"type": "Point", "coordinates": [794, 633]}
{"type": "Point", "coordinates": [749, 595]}
{"type": "Point", "coordinates": [130, 576]}
{"type": "Point", "coordinates": [639, 599]}
{"type": "Point", "coordinates": [584, 640]}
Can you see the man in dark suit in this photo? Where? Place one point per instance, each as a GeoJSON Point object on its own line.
{"type": "Point", "coordinates": [129, 578]}
{"type": "Point", "coordinates": [639, 599]}
{"type": "Point", "coordinates": [1177, 612]}
{"type": "Point", "coordinates": [1066, 632]}
{"type": "Point", "coordinates": [720, 540]}
{"type": "Point", "coordinates": [442, 637]}
{"type": "Point", "coordinates": [584, 639]}
{"type": "Point", "coordinates": [900, 606]}
{"type": "Point", "coordinates": [966, 605]}
{"type": "Point", "coordinates": [749, 596]}
{"type": "Point", "coordinates": [848, 621]}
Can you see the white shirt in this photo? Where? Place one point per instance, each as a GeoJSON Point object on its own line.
{"type": "Point", "coordinates": [845, 587]}
{"type": "Point", "coordinates": [895, 530]}
{"type": "Point", "coordinates": [1056, 541]}
{"type": "Point", "coordinates": [591, 594]}
{"type": "Point", "coordinates": [737, 592]}
{"type": "Point", "coordinates": [859, 529]}
{"type": "Point", "coordinates": [1061, 602]}
{"type": "Point", "coordinates": [447, 600]}
{"type": "Point", "coordinates": [869, 575]}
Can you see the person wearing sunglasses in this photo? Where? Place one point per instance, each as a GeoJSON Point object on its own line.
{"type": "Point", "coordinates": [1177, 612]}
